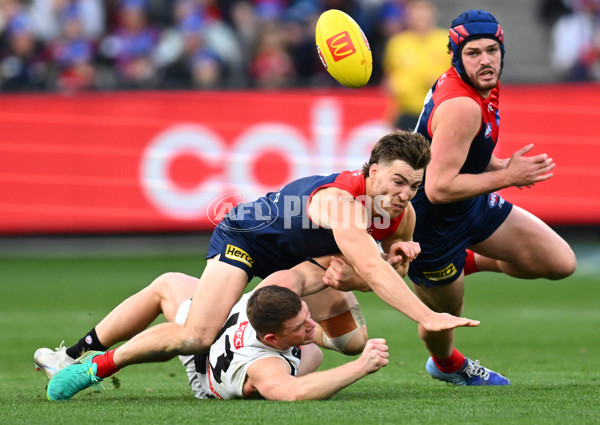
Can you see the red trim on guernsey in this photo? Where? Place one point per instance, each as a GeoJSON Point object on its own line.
{"type": "Point", "coordinates": [354, 183]}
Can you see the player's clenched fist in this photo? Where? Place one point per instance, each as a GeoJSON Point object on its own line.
{"type": "Point", "coordinates": [375, 355]}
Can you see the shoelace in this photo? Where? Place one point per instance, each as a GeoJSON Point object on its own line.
{"type": "Point", "coordinates": [95, 380]}
{"type": "Point", "coordinates": [475, 369]}
{"type": "Point", "coordinates": [61, 346]}
{"type": "Point", "coordinates": [75, 385]}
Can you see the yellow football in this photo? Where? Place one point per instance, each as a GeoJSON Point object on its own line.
{"type": "Point", "coordinates": [343, 49]}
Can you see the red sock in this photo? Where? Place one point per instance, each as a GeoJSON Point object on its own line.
{"type": "Point", "coordinates": [106, 365]}
{"type": "Point", "coordinates": [470, 266]}
{"type": "Point", "coordinates": [452, 363]}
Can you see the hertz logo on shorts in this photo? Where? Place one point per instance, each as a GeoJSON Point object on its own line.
{"type": "Point", "coordinates": [445, 273]}
{"type": "Point", "coordinates": [237, 254]}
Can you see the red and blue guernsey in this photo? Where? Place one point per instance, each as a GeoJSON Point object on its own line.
{"type": "Point", "coordinates": [275, 232]}
{"type": "Point", "coordinates": [449, 86]}
{"type": "Point", "coordinates": [446, 230]}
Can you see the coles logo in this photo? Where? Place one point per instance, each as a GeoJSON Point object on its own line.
{"type": "Point", "coordinates": [341, 46]}
{"type": "Point", "coordinates": [190, 172]}
{"type": "Point", "coordinates": [238, 337]}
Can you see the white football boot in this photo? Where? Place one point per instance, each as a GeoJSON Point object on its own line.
{"type": "Point", "coordinates": [51, 361]}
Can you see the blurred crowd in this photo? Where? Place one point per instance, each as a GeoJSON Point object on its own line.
{"type": "Point", "coordinates": [574, 38]}
{"type": "Point", "coordinates": [74, 45]}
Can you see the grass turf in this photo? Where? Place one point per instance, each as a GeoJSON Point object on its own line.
{"type": "Point", "coordinates": [543, 335]}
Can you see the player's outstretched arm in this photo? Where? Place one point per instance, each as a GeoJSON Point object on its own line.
{"type": "Point", "coordinates": [399, 251]}
{"type": "Point", "coordinates": [271, 376]}
{"type": "Point", "coordinates": [348, 221]}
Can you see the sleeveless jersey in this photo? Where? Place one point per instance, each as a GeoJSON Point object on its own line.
{"type": "Point", "coordinates": [445, 231]}
{"type": "Point", "coordinates": [277, 226]}
{"type": "Point", "coordinates": [221, 372]}
{"type": "Point", "coordinates": [449, 86]}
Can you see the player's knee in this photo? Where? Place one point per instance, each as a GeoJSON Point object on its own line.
{"type": "Point", "coordinates": [193, 339]}
{"type": "Point", "coordinates": [192, 344]}
{"type": "Point", "coordinates": [164, 282]}
{"type": "Point", "coordinates": [452, 305]}
{"type": "Point", "coordinates": [564, 268]}
{"type": "Point", "coordinates": [561, 264]}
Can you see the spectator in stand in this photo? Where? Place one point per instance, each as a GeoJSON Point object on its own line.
{"type": "Point", "coordinates": [198, 66]}
{"type": "Point", "coordinates": [413, 60]}
{"type": "Point", "coordinates": [48, 16]}
{"type": "Point", "coordinates": [220, 59]}
{"type": "Point", "coordinates": [246, 25]}
{"type": "Point", "coordinates": [8, 10]}
{"type": "Point", "coordinates": [272, 66]}
{"type": "Point", "coordinates": [391, 20]}
{"type": "Point", "coordinates": [139, 43]}
{"type": "Point", "coordinates": [132, 46]}
{"type": "Point", "coordinates": [549, 11]}
{"type": "Point", "coordinates": [300, 21]}
{"type": "Point", "coordinates": [392, 16]}
{"type": "Point", "coordinates": [72, 53]}
{"type": "Point", "coordinates": [23, 64]}
{"type": "Point", "coordinates": [575, 42]}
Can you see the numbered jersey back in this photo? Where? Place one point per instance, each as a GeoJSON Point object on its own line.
{"type": "Point", "coordinates": [222, 371]}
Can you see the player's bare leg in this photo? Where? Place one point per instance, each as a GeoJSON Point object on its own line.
{"type": "Point", "coordinates": [129, 318]}
{"type": "Point", "coordinates": [525, 247]}
{"type": "Point", "coordinates": [218, 289]}
{"type": "Point", "coordinates": [136, 313]}
{"type": "Point", "coordinates": [445, 298]}
{"type": "Point", "coordinates": [446, 362]}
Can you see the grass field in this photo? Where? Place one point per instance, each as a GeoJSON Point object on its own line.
{"type": "Point", "coordinates": [545, 336]}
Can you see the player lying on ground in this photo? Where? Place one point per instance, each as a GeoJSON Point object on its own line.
{"type": "Point", "coordinates": [341, 323]}
{"type": "Point", "coordinates": [347, 213]}
{"type": "Point", "coordinates": [267, 342]}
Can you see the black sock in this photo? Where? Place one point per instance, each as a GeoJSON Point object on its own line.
{"type": "Point", "coordinates": [87, 343]}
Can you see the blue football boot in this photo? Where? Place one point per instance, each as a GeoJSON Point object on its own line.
{"type": "Point", "coordinates": [472, 373]}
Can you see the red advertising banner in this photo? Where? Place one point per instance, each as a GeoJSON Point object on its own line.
{"type": "Point", "coordinates": [562, 121]}
{"type": "Point", "coordinates": [166, 161]}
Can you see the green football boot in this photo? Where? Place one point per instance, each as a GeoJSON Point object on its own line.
{"type": "Point", "coordinates": [74, 378]}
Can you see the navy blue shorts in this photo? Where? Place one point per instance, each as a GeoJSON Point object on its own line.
{"type": "Point", "coordinates": [444, 234]}
{"type": "Point", "coordinates": [239, 250]}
